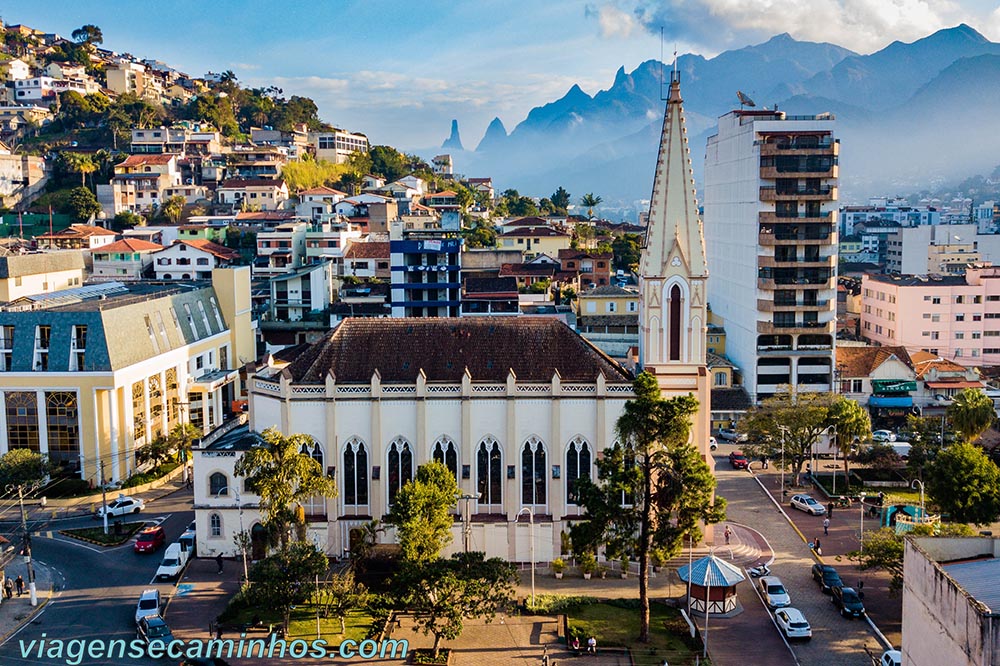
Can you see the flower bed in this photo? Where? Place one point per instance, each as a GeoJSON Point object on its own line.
{"type": "Point", "coordinates": [96, 535]}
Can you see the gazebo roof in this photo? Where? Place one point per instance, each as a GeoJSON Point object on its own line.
{"type": "Point", "coordinates": [711, 571]}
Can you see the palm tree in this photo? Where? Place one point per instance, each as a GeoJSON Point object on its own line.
{"type": "Point", "coordinates": [81, 164]}
{"type": "Point", "coordinates": [852, 426]}
{"type": "Point", "coordinates": [590, 200]}
{"type": "Point", "coordinates": [971, 413]}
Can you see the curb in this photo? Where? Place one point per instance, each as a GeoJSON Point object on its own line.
{"type": "Point", "coordinates": [42, 603]}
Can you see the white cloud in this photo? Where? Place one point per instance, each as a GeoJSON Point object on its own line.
{"type": "Point", "coordinates": [615, 22]}
{"type": "Point", "coordinates": [245, 65]}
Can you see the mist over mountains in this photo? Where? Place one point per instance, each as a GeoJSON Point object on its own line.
{"type": "Point", "coordinates": [908, 116]}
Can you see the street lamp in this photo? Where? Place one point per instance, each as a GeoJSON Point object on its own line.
{"type": "Point", "coordinates": [27, 544]}
{"type": "Point", "coordinates": [913, 485]}
{"type": "Point", "coordinates": [467, 520]}
{"type": "Point", "coordinates": [239, 507]}
{"type": "Point", "coordinates": [783, 430]}
{"type": "Point", "coordinates": [861, 538]}
{"type": "Point", "coordinates": [531, 537]}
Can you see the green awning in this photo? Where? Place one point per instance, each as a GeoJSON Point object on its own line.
{"type": "Point", "coordinates": [893, 385]}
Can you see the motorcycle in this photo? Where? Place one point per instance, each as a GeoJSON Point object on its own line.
{"type": "Point", "coordinates": [758, 571]}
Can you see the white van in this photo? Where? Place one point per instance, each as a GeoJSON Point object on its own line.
{"type": "Point", "coordinates": [173, 562]}
{"type": "Point", "coordinates": [187, 542]}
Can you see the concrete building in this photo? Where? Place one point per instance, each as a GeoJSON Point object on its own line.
{"type": "Point", "coordinates": [426, 270]}
{"type": "Point", "coordinates": [337, 146]}
{"type": "Point", "coordinates": [22, 178]}
{"type": "Point", "coordinates": [536, 240]}
{"type": "Point", "coordinates": [770, 191]}
{"type": "Point", "coordinates": [951, 601]}
{"type": "Point", "coordinates": [183, 139]}
{"type": "Point", "coordinates": [126, 77]}
{"type": "Point", "coordinates": [39, 273]}
{"type": "Point", "coordinates": [942, 249]}
{"type": "Point", "coordinates": [125, 260]}
{"type": "Point", "coordinates": [489, 296]}
{"type": "Point", "coordinates": [77, 237]}
{"type": "Point", "coordinates": [281, 249]}
{"type": "Point", "coordinates": [318, 203]}
{"type": "Point", "coordinates": [259, 193]}
{"type": "Point", "coordinates": [303, 291]}
{"type": "Point", "coordinates": [191, 260]}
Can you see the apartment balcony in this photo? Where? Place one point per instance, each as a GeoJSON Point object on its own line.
{"type": "Point", "coordinates": [772, 217]}
{"type": "Point", "coordinates": [767, 305]}
{"type": "Point", "coordinates": [790, 328]}
{"type": "Point", "coordinates": [776, 262]}
{"type": "Point", "coordinates": [772, 173]}
{"type": "Point", "coordinates": [821, 193]}
{"type": "Point", "coordinates": [797, 283]}
{"type": "Point", "coordinates": [773, 239]}
{"type": "Point", "coordinates": [771, 148]}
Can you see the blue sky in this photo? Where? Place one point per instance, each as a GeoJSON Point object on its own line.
{"type": "Point", "coordinates": [401, 71]}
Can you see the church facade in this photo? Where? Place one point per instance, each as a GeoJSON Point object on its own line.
{"type": "Point", "coordinates": [517, 408]}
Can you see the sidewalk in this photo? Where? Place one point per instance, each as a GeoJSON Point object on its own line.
{"type": "Point", "coordinates": [200, 596]}
{"type": "Point", "coordinates": [17, 611]}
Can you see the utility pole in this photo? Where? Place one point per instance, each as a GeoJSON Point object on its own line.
{"type": "Point", "coordinates": [467, 521]}
{"type": "Point", "coordinates": [27, 547]}
{"type": "Point", "coordinates": [104, 498]}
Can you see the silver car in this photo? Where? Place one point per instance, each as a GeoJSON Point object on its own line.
{"type": "Point", "coordinates": [774, 592]}
{"type": "Point", "coordinates": [808, 504]}
{"type": "Point", "coordinates": [793, 623]}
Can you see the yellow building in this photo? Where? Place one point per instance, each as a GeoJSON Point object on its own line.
{"type": "Point", "coordinates": [607, 300]}
{"type": "Point", "coordinates": [39, 273]}
{"type": "Point", "coordinates": [533, 241]}
{"type": "Point", "coordinates": [88, 376]}
{"type": "Point", "coordinates": [716, 340]}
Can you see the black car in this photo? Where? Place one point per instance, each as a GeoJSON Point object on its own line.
{"type": "Point", "coordinates": [848, 601]}
{"type": "Point", "coordinates": [827, 577]}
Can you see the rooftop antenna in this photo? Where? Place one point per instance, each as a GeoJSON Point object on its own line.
{"type": "Point", "coordinates": [744, 100]}
{"type": "Point", "coordinates": [662, 65]}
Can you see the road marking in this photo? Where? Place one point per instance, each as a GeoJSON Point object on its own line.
{"type": "Point", "coordinates": [770, 615]}
{"type": "Point", "coordinates": [183, 589]}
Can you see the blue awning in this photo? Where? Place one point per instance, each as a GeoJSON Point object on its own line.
{"type": "Point", "coordinates": [895, 401]}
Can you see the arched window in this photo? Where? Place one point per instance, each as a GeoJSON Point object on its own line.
{"type": "Point", "coordinates": [400, 466]}
{"type": "Point", "coordinates": [446, 453]}
{"type": "Point", "coordinates": [355, 473]}
{"type": "Point", "coordinates": [215, 525]}
{"type": "Point", "coordinates": [218, 484]}
{"type": "Point", "coordinates": [577, 467]}
{"type": "Point", "coordinates": [533, 472]}
{"type": "Point", "coordinates": [314, 506]}
{"type": "Point", "coordinates": [675, 323]}
{"type": "Point", "coordinates": [488, 471]}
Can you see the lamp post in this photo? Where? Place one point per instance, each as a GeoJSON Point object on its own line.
{"type": "Point", "coordinates": [467, 521]}
{"type": "Point", "coordinates": [27, 545]}
{"type": "Point", "coordinates": [861, 538]}
{"type": "Point", "coordinates": [783, 430]}
{"type": "Point", "coordinates": [531, 537]}
{"type": "Point", "coordinates": [243, 550]}
{"type": "Point", "coordinates": [913, 484]}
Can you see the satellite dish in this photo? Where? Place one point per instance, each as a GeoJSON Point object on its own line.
{"type": "Point", "coordinates": [744, 100]}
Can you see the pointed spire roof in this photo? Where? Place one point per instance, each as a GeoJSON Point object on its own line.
{"type": "Point", "coordinates": [674, 230]}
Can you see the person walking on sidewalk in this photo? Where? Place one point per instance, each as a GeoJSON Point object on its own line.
{"type": "Point", "coordinates": [19, 583]}
{"type": "Point", "coordinates": [818, 546]}
{"type": "Point", "coordinates": [826, 526]}
{"type": "Point", "coordinates": [218, 562]}
{"type": "Point", "coordinates": [728, 534]}
{"type": "Point", "coordinates": [8, 588]}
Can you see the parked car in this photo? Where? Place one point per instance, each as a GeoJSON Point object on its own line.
{"type": "Point", "coordinates": [827, 577]}
{"type": "Point", "coordinates": [848, 601]}
{"type": "Point", "coordinates": [808, 504]}
{"type": "Point", "coordinates": [793, 623]}
{"type": "Point", "coordinates": [883, 436]}
{"type": "Point", "coordinates": [774, 592]}
{"type": "Point", "coordinates": [902, 449]}
{"type": "Point", "coordinates": [152, 628]}
{"type": "Point", "coordinates": [173, 562]}
{"type": "Point", "coordinates": [122, 507]}
{"type": "Point", "coordinates": [738, 460]}
{"type": "Point", "coordinates": [713, 444]}
{"type": "Point", "coordinates": [149, 604]}
{"type": "Point", "coordinates": [732, 435]}
{"type": "Point", "coordinates": [891, 658]}
{"type": "Point", "coordinates": [150, 539]}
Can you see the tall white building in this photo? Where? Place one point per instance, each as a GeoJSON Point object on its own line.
{"type": "Point", "coordinates": [770, 193]}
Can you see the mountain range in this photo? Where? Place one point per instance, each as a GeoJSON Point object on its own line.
{"type": "Point", "coordinates": [907, 115]}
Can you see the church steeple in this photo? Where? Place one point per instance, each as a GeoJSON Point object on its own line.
{"type": "Point", "coordinates": [673, 270]}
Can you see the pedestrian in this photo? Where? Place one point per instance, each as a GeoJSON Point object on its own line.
{"type": "Point", "coordinates": [829, 510]}
{"type": "Point", "coordinates": [218, 562]}
{"type": "Point", "coordinates": [818, 546]}
{"type": "Point", "coordinates": [19, 583]}
{"type": "Point", "coordinates": [826, 526]}
{"type": "Point", "coordinates": [861, 585]}
{"type": "Point", "coordinates": [765, 462]}
{"type": "Point", "coordinates": [8, 587]}
{"type": "Point", "coordinates": [728, 534]}
{"type": "Point", "coordinates": [592, 645]}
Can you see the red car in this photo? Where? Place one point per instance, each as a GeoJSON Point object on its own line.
{"type": "Point", "coordinates": [738, 460]}
{"type": "Point", "coordinates": [150, 539]}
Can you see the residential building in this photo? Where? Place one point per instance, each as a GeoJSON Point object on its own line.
{"type": "Point", "coordinates": [943, 249]}
{"type": "Point", "coordinates": [426, 270]}
{"type": "Point", "coordinates": [533, 241]}
{"type": "Point", "coordinates": [729, 405]}
{"type": "Point", "coordinates": [770, 192]}
{"type": "Point", "coordinates": [881, 378]}
{"type": "Point", "coordinates": [35, 89]}
{"type": "Point", "coordinates": [254, 193]}
{"type": "Point", "coordinates": [881, 209]}
{"type": "Point", "coordinates": [303, 291]}
{"type": "Point", "coordinates": [255, 162]}
{"type": "Point", "coordinates": [484, 185]}
{"type": "Point", "coordinates": [442, 201]}
{"type": "Point", "coordinates": [516, 223]}
{"type": "Point", "coordinates": [17, 120]}
{"type": "Point", "coordinates": [139, 183]}
{"type": "Point", "coordinates": [184, 139]}
{"type": "Point", "coordinates": [594, 268]}
{"type": "Point", "coordinates": [22, 177]}
{"type": "Point", "coordinates": [956, 317]}
{"type": "Point", "coordinates": [442, 165]}
{"type": "Point", "coordinates": [478, 262]}
{"type": "Point", "coordinates": [191, 260]}
{"type": "Point", "coordinates": [77, 237]}
{"type": "Point", "coordinates": [941, 379]}
{"type": "Point", "coordinates": [318, 203]}
{"type": "Point", "coordinates": [609, 299]}
{"type": "Point", "coordinates": [17, 70]}
{"type": "Point", "coordinates": [39, 273]}
{"type": "Point", "coordinates": [125, 260]}
{"type": "Point", "coordinates": [281, 249]}
{"type": "Point", "coordinates": [93, 374]}
{"type": "Point", "coordinates": [950, 601]}
{"type": "Point", "coordinates": [126, 77]}
{"type": "Point", "coordinates": [489, 296]}
{"type": "Point", "coordinates": [367, 259]}
{"type": "Point", "coordinates": [338, 145]}
{"type": "Point", "coordinates": [371, 212]}
{"type": "Point", "coordinates": [715, 339]}
{"type": "Point", "coordinates": [328, 242]}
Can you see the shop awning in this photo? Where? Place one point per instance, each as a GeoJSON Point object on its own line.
{"type": "Point", "coordinates": [954, 385]}
{"type": "Point", "coordinates": [893, 385]}
{"type": "Point", "coordinates": [213, 380]}
{"type": "Point", "coordinates": [894, 401]}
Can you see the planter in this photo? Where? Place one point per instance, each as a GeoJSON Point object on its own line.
{"type": "Point", "coordinates": [587, 575]}
{"type": "Point", "coordinates": [624, 575]}
{"type": "Point", "coordinates": [559, 575]}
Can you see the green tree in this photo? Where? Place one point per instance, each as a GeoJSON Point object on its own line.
{"type": "Point", "coordinates": [480, 234]}
{"type": "Point", "coordinates": [853, 426]}
{"type": "Point", "coordinates": [88, 34]}
{"type": "Point", "coordinates": [971, 413]}
{"type": "Point", "coordinates": [422, 512]}
{"type": "Point", "coordinates": [627, 249]}
{"type": "Point", "coordinates": [924, 435]}
{"type": "Point", "coordinates": [126, 219]}
{"type": "Point", "coordinates": [157, 451]}
{"type": "Point", "coordinates": [442, 593]}
{"type": "Point", "coordinates": [802, 417]}
{"type": "Point", "coordinates": [882, 549]}
{"type": "Point", "coordinates": [463, 196]}
{"type": "Point", "coordinates": [340, 594]}
{"type": "Point", "coordinates": [590, 201]}
{"type": "Point", "coordinates": [282, 473]}
{"type": "Point", "coordinates": [286, 579]}
{"type": "Point", "coordinates": [388, 163]}
{"type": "Point", "coordinates": [173, 208]}
{"type": "Point", "coordinates": [965, 484]}
{"type": "Point", "coordinates": [561, 200]}
{"type": "Point", "coordinates": [78, 163]}
{"type": "Point", "coordinates": [181, 437]}
{"type": "Point", "coordinates": [666, 486]}
{"type": "Point", "coordinates": [23, 467]}
{"type": "Point", "coordinates": [82, 204]}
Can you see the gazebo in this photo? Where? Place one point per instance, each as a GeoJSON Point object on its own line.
{"type": "Point", "coordinates": [712, 585]}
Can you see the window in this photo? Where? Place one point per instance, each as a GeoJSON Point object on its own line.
{"type": "Point", "coordinates": [355, 473]}
{"type": "Point", "coordinates": [976, 317]}
{"type": "Point", "coordinates": [976, 335]}
{"type": "Point", "coordinates": [6, 347]}
{"type": "Point", "coordinates": [675, 323]}
{"type": "Point", "coordinates": [936, 317]}
{"type": "Point", "coordinates": [215, 525]}
{"type": "Point", "coordinates": [958, 353]}
{"type": "Point", "coordinates": [43, 335]}
{"type": "Point", "coordinates": [935, 335]}
{"type": "Point", "coordinates": [533, 472]}
{"type": "Point", "coordinates": [155, 405]}
{"type": "Point", "coordinates": [578, 465]}
{"type": "Point", "coordinates": [138, 411]}
{"type": "Point", "coordinates": [488, 471]}
{"type": "Point", "coordinates": [721, 379]}
{"type": "Point", "coordinates": [400, 465]}
{"type": "Point", "coordinates": [633, 306]}
{"type": "Point", "coordinates": [445, 453]}
{"type": "Point", "coordinates": [22, 420]}
{"type": "Point", "coordinates": [611, 306]}
{"type": "Point", "coordinates": [977, 299]}
{"type": "Point", "coordinates": [936, 300]}
{"type": "Point", "coordinates": [316, 505]}
{"type": "Point", "coordinates": [218, 484]}
{"type": "Point", "coordinates": [960, 299]}
{"type": "Point", "coordinates": [960, 317]}
{"type": "Point", "coordinates": [960, 336]}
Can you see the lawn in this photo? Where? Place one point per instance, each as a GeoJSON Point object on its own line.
{"type": "Point", "coordinates": [112, 538]}
{"type": "Point", "coordinates": [303, 623]}
{"type": "Point", "coordinates": [614, 626]}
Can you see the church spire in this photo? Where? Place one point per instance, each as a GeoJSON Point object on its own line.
{"type": "Point", "coordinates": [674, 227]}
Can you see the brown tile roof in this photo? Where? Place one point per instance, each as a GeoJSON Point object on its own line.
{"type": "Point", "coordinates": [159, 159]}
{"type": "Point", "coordinates": [322, 189]}
{"type": "Point", "coordinates": [490, 285]}
{"type": "Point", "coordinates": [570, 253]}
{"type": "Point", "coordinates": [730, 400]}
{"type": "Point", "coordinates": [535, 232]}
{"type": "Point", "coordinates": [863, 361]}
{"type": "Point", "coordinates": [370, 250]}
{"type": "Point", "coordinates": [79, 231]}
{"type": "Point", "coordinates": [129, 245]}
{"type": "Point", "coordinates": [446, 193]}
{"type": "Point", "coordinates": [266, 215]}
{"type": "Point", "coordinates": [220, 251]}
{"type": "Point", "coordinates": [528, 269]}
{"type": "Point", "coordinates": [534, 348]}
{"type": "Point", "coordinates": [924, 362]}
{"type": "Point", "coordinates": [609, 290]}
{"type": "Point", "coordinates": [528, 222]}
{"type": "Point", "coordinates": [240, 183]}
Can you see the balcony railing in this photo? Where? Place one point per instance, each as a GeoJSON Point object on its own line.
{"type": "Point", "coordinates": [830, 147]}
{"type": "Point", "coordinates": [769, 239]}
{"type": "Point", "coordinates": [796, 217]}
{"type": "Point", "coordinates": [830, 171]}
{"type": "Point", "coordinates": [767, 305]}
{"type": "Point", "coordinates": [823, 192]}
{"type": "Point", "coordinates": [775, 328]}
{"type": "Point", "coordinates": [800, 283]}
{"type": "Point", "coordinates": [795, 262]}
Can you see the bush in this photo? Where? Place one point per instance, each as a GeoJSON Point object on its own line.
{"type": "Point", "coordinates": [66, 487]}
{"type": "Point", "coordinates": [152, 475]}
{"type": "Point", "coordinates": [550, 604]}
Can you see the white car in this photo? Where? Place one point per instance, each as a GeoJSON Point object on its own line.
{"type": "Point", "coordinates": [883, 436]}
{"type": "Point", "coordinates": [891, 658]}
{"type": "Point", "coordinates": [713, 444]}
{"type": "Point", "coordinates": [793, 623]}
{"type": "Point", "coordinates": [173, 562]}
{"type": "Point", "coordinates": [774, 592]}
{"type": "Point", "coordinates": [732, 435]}
{"type": "Point", "coordinates": [808, 504]}
{"type": "Point", "coordinates": [122, 507]}
{"type": "Point", "coordinates": [149, 604]}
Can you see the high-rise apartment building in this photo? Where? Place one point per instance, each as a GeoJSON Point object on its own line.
{"type": "Point", "coordinates": [770, 193]}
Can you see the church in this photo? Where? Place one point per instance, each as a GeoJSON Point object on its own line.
{"type": "Point", "coordinates": [518, 408]}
